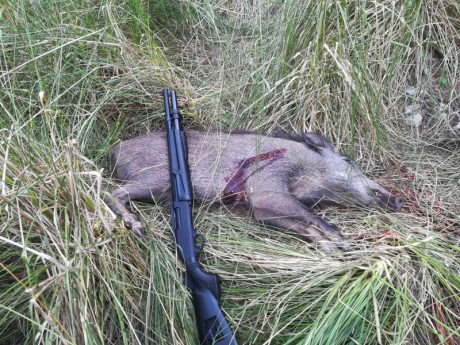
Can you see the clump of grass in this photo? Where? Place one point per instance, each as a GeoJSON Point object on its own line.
{"type": "Point", "coordinates": [78, 76]}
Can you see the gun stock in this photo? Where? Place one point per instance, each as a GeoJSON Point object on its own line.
{"type": "Point", "coordinates": [205, 287]}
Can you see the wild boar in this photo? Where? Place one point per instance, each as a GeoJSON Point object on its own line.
{"type": "Point", "coordinates": [279, 177]}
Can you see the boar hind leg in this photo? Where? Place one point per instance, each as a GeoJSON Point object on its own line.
{"type": "Point", "coordinates": [120, 198]}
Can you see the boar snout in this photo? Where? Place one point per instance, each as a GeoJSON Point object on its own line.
{"type": "Point", "coordinates": [392, 202]}
{"type": "Point", "coordinates": [386, 199]}
{"type": "Point", "coordinates": [397, 203]}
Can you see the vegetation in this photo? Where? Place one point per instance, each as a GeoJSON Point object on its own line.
{"type": "Point", "coordinates": [77, 76]}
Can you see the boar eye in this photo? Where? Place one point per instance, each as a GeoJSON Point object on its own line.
{"type": "Point", "coordinates": [348, 160]}
{"type": "Point", "coordinates": [377, 193]}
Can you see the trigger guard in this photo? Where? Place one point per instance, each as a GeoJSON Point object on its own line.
{"type": "Point", "coordinates": [199, 246]}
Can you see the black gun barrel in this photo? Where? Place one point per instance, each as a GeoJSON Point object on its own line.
{"type": "Point", "coordinates": [205, 287]}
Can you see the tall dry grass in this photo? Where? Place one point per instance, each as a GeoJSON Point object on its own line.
{"type": "Point", "coordinates": [77, 76]}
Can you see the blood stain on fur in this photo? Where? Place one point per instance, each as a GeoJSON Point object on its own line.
{"type": "Point", "coordinates": [235, 190]}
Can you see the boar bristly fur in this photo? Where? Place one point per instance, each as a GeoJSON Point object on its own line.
{"type": "Point", "coordinates": [278, 177]}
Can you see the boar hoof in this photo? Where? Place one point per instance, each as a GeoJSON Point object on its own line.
{"type": "Point", "coordinates": [137, 229]}
{"type": "Point", "coordinates": [133, 224]}
{"type": "Point", "coordinates": [327, 247]}
{"type": "Point", "coordinates": [342, 243]}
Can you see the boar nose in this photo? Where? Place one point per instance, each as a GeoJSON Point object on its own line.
{"type": "Point", "coordinates": [398, 203]}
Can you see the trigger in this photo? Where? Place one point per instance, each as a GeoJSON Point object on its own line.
{"type": "Point", "coordinates": [173, 218]}
{"type": "Point", "coordinates": [199, 243]}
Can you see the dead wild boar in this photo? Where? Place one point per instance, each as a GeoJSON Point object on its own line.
{"type": "Point", "coordinates": [278, 176]}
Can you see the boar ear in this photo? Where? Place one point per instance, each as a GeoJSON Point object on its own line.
{"type": "Point", "coordinates": [316, 141]}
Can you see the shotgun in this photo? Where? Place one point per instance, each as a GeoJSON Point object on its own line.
{"type": "Point", "coordinates": [212, 327]}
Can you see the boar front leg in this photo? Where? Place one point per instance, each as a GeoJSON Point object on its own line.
{"type": "Point", "coordinates": [290, 214]}
{"type": "Point", "coordinates": [120, 198]}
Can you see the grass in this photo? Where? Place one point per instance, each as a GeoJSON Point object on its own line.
{"type": "Point", "coordinates": [77, 76]}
